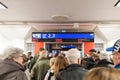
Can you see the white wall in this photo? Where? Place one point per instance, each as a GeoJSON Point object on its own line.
{"type": "Point", "coordinates": [98, 39]}
{"type": "Point", "coordinates": [12, 35]}
{"type": "Point", "coordinates": [4, 43]}
{"type": "Point", "coordinates": [18, 35]}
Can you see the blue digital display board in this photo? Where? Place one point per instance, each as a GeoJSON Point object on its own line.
{"type": "Point", "coordinates": [63, 36]}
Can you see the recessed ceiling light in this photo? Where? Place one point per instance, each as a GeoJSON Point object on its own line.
{"type": "Point", "coordinates": [3, 6]}
{"type": "Point", "coordinates": [60, 17]}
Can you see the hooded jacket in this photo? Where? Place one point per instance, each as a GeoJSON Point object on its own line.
{"type": "Point", "coordinates": [11, 70]}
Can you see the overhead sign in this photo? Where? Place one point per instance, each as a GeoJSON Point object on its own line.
{"type": "Point", "coordinates": [63, 36]}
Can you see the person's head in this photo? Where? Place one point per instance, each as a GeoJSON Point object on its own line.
{"type": "Point", "coordinates": [73, 56]}
{"type": "Point", "coordinates": [15, 54]}
{"type": "Point", "coordinates": [62, 54]}
{"type": "Point", "coordinates": [95, 57]}
{"type": "Point", "coordinates": [25, 59]}
{"type": "Point", "coordinates": [98, 52]}
{"type": "Point", "coordinates": [60, 63]}
{"type": "Point", "coordinates": [102, 73]}
{"type": "Point", "coordinates": [116, 53]}
{"type": "Point", "coordinates": [41, 49]}
{"type": "Point", "coordinates": [29, 54]}
{"type": "Point", "coordinates": [42, 54]}
{"type": "Point", "coordinates": [92, 52]}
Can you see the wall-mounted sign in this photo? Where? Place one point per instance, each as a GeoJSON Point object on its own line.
{"type": "Point", "coordinates": [63, 37]}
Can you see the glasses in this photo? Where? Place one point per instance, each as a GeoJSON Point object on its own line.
{"type": "Point", "coordinates": [114, 54]}
{"type": "Point", "coordinates": [24, 57]}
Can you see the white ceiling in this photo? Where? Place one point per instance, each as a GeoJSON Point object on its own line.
{"type": "Point", "coordinates": [90, 14]}
{"type": "Point", "coordinates": [77, 10]}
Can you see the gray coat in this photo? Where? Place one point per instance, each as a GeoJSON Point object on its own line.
{"type": "Point", "coordinates": [11, 70]}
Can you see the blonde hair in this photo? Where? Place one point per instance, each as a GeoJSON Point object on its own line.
{"type": "Point", "coordinates": [60, 63]}
{"type": "Point", "coordinates": [52, 61]}
{"type": "Point", "coordinates": [103, 73]}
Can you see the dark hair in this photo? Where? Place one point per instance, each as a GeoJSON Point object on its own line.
{"type": "Point", "coordinates": [41, 49]}
{"type": "Point", "coordinates": [92, 50]}
{"type": "Point", "coordinates": [29, 53]}
{"type": "Point", "coordinates": [25, 59]}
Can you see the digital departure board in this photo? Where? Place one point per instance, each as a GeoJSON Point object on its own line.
{"type": "Point", "coordinates": [63, 36]}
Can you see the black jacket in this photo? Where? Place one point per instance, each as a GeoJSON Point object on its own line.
{"type": "Point", "coordinates": [90, 63]}
{"type": "Point", "coordinates": [104, 63]}
{"type": "Point", "coordinates": [72, 72]}
{"type": "Point", "coordinates": [11, 70]}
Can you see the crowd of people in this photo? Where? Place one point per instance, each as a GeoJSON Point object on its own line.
{"type": "Point", "coordinates": [70, 66]}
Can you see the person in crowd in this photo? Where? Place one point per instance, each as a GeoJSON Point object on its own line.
{"type": "Point", "coordinates": [50, 55]}
{"type": "Point", "coordinates": [41, 66]}
{"type": "Point", "coordinates": [96, 58]}
{"type": "Point", "coordinates": [104, 63]}
{"type": "Point", "coordinates": [102, 73]}
{"type": "Point", "coordinates": [62, 54]}
{"type": "Point", "coordinates": [91, 52]}
{"type": "Point", "coordinates": [59, 64]}
{"type": "Point", "coordinates": [26, 70]}
{"type": "Point", "coordinates": [91, 62]}
{"type": "Point", "coordinates": [92, 59]}
{"type": "Point", "coordinates": [35, 58]}
{"type": "Point", "coordinates": [74, 71]}
{"type": "Point", "coordinates": [12, 67]}
{"type": "Point", "coordinates": [98, 52]}
{"type": "Point", "coordinates": [116, 54]}
{"type": "Point", "coordinates": [49, 74]}
{"type": "Point", "coordinates": [29, 55]}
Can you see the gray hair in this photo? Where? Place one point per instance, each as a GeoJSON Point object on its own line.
{"type": "Point", "coordinates": [11, 52]}
{"type": "Point", "coordinates": [73, 55]}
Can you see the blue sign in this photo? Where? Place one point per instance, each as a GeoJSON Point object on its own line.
{"type": "Point", "coordinates": [64, 36]}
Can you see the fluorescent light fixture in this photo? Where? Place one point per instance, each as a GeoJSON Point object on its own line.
{"type": "Point", "coordinates": [117, 4]}
{"type": "Point", "coordinates": [2, 6]}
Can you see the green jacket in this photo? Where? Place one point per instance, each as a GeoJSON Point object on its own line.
{"type": "Point", "coordinates": [32, 62]}
{"type": "Point", "coordinates": [39, 69]}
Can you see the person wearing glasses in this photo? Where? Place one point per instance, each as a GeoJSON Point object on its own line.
{"type": "Point", "coordinates": [12, 66]}
{"type": "Point", "coordinates": [115, 56]}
